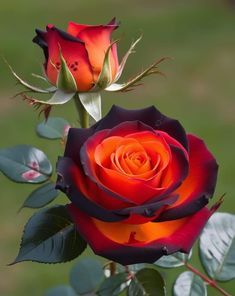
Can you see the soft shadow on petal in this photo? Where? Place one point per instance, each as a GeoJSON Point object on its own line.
{"type": "Point", "coordinates": [199, 186]}
{"type": "Point", "coordinates": [130, 244]}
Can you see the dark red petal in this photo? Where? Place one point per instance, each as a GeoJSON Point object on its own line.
{"type": "Point", "coordinates": [147, 212]}
{"type": "Point", "coordinates": [77, 187]}
{"type": "Point", "coordinates": [73, 183]}
{"type": "Point", "coordinates": [199, 186]}
{"type": "Point", "coordinates": [181, 239]}
{"type": "Point", "coordinates": [75, 140]}
{"type": "Point", "coordinates": [41, 41]}
{"type": "Point", "coordinates": [149, 116]}
{"type": "Point", "coordinates": [75, 54]}
{"type": "Point", "coordinates": [172, 141]}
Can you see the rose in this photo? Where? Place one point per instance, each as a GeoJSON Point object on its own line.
{"type": "Point", "coordinates": [83, 48]}
{"type": "Point", "coordinates": [138, 185]}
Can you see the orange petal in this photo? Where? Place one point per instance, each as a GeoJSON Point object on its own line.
{"type": "Point", "coordinates": [97, 40]}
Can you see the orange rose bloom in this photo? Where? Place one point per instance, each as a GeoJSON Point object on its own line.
{"type": "Point", "coordinates": [83, 47]}
{"type": "Point", "coordinates": [138, 185]}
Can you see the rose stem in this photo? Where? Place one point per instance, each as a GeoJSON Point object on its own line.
{"type": "Point", "coordinates": [210, 282]}
{"type": "Point", "coordinates": [82, 113]}
{"type": "Point", "coordinates": [112, 267]}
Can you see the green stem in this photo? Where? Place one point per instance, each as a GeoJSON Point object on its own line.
{"type": "Point", "coordinates": [112, 267]}
{"type": "Point", "coordinates": [82, 113]}
{"type": "Point", "coordinates": [209, 281]}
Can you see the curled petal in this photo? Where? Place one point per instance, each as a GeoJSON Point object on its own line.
{"type": "Point", "coordinates": [72, 182]}
{"type": "Point", "coordinates": [88, 197]}
{"type": "Point", "coordinates": [199, 185]}
{"type": "Point", "coordinates": [73, 51]}
{"type": "Point", "coordinates": [145, 243]}
{"type": "Point", "coordinates": [136, 81]}
{"type": "Point", "coordinates": [149, 116]}
{"type": "Point", "coordinates": [117, 183]}
{"type": "Point", "coordinates": [97, 39]}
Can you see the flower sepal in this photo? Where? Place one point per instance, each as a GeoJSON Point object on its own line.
{"type": "Point", "coordinates": [105, 77]}
{"type": "Point", "coordinates": [136, 81]}
{"type": "Point", "coordinates": [65, 79]}
{"type": "Point", "coordinates": [29, 86]}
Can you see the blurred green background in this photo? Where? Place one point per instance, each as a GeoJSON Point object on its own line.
{"type": "Point", "coordinates": [199, 90]}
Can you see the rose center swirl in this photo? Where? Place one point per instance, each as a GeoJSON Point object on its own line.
{"type": "Point", "coordinates": [140, 157]}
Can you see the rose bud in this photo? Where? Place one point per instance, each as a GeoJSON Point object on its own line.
{"type": "Point", "coordinates": [138, 185]}
{"type": "Point", "coordinates": [78, 56]}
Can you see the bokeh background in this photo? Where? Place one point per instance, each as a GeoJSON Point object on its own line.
{"type": "Point", "coordinates": [199, 90]}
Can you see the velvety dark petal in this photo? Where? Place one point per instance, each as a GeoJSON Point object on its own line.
{"type": "Point", "coordinates": [172, 141]}
{"type": "Point", "coordinates": [177, 170]}
{"type": "Point", "coordinates": [78, 188]}
{"type": "Point", "coordinates": [67, 36]}
{"type": "Point", "coordinates": [110, 239]}
{"type": "Point", "coordinates": [76, 138]}
{"type": "Point", "coordinates": [149, 116]}
{"type": "Point", "coordinates": [40, 40]}
{"type": "Point", "coordinates": [199, 186]}
{"type": "Point", "coordinates": [68, 174]}
{"type": "Point", "coordinates": [129, 127]}
{"type": "Point", "coordinates": [175, 130]}
{"type": "Point", "coordinates": [147, 212]}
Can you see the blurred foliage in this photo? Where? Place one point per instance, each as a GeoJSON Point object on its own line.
{"type": "Point", "coordinates": [198, 90]}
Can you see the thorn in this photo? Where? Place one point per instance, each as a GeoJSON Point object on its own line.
{"type": "Point", "coordinates": [148, 212]}
{"type": "Point", "coordinates": [165, 250]}
{"type": "Point", "coordinates": [19, 210]}
{"type": "Point", "coordinates": [218, 203]}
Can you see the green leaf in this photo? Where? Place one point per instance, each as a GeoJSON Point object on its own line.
{"type": "Point", "coordinates": [61, 291]}
{"type": "Point", "coordinates": [123, 293]}
{"type": "Point", "coordinates": [41, 196]}
{"type": "Point", "coordinates": [189, 284]}
{"type": "Point", "coordinates": [65, 80]}
{"type": "Point", "coordinates": [105, 77]}
{"type": "Point", "coordinates": [174, 260]}
{"type": "Point", "coordinates": [86, 276]}
{"type": "Point", "coordinates": [92, 103]}
{"type": "Point", "coordinates": [217, 247]}
{"type": "Point", "coordinates": [124, 60]}
{"type": "Point", "coordinates": [112, 286]}
{"type": "Point", "coordinates": [53, 128]}
{"type": "Point", "coordinates": [50, 237]}
{"type": "Point", "coordinates": [25, 164]}
{"type": "Point", "coordinates": [147, 281]}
